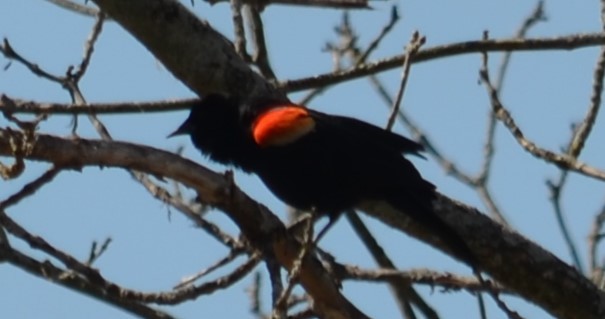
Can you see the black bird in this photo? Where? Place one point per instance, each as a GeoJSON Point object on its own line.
{"type": "Point", "coordinates": [317, 162]}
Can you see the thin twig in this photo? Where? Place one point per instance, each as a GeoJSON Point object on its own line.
{"type": "Point", "coordinates": [255, 25]}
{"type": "Point", "coordinates": [39, 243]}
{"type": "Point", "coordinates": [277, 287]}
{"type": "Point", "coordinates": [280, 305]}
{"type": "Point", "coordinates": [76, 7]}
{"type": "Point", "coordinates": [189, 280]}
{"type": "Point", "coordinates": [348, 42]}
{"type": "Point", "coordinates": [498, 110]}
{"type": "Point", "coordinates": [255, 295]}
{"type": "Point", "coordinates": [30, 188]}
{"type": "Point", "coordinates": [304, 314]}
{"type": "Point", "coordinates": [238, 28]}
{"type": "Point", "coordinates": [430, 147]}
{"type": "Point", "coordinates": [579, 136]}
{"type": "Point", "coordinates": [193, 292]}
{"type": "Point", "coordinates": [556, 191]}
{"type": "Point", "coordinates": [561, 160]}
{"type": "Point", "coordinates": [566, 42]}
{"type": "Point", "coordinates": [415, 43]}
{"type": "Point", "coordinates": [401, 286]}
{"type": "Point", "coordinates": [33, 107]}
{"type": "Point", "coordinates": [378, 39]}
{"type": "Point", "coordinates": [177, 202]}
{"type": "Point", "coordinates": [445, 280]}
{"type": "Point", "coordinates": [89, 46]}
{"type": "Point", "coordinates": [481, 305]}
{"type": "Point", "coordinates": [97, 282]}
{"type": "Point", "coordinates": [10, 53]}
{"type": "Point", "coordinates": [70, 82]}
{"type": "Point", "coordinates": [583, 131]}
{"type": "Point", "coordinates": [594, 238]}
{"type": "Point", "coordinates": [447, 165]}
{"type": "Point", "coordinates": [603, 13]}
{"type": "Point", "coordinates": [574, 149]}
{"type": "Point", "coordinates": [47, 271]}
{"type": "Point", "coordinates": [95, 252]}
{"type": "Point", "coordinates": [337, 4]}
{"type": "Point", "coordinates": [482, 178]}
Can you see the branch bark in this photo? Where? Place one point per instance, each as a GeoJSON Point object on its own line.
{"type": "Point", "coordinates": [206, 62]}
{"type": "Point", "coordinates": [264, 230]}
{"type": "Point", "coordinates": [196, 54]}
{"type": "Point", "coordinates": [508, 257]}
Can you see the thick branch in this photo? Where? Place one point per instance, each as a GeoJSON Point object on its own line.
{"type": "Point", "coordinates": [206, 62]}
{"type": "Point", "coordinates": [48, 271]}
{"type": "Point", "coordinates": [568, 42]}
{"type": "Point", "coordinates": [259, 225]}
{"type": "Point", "coordinates": [512, 260]}
{"type": "Point", "coordinates": [190, 48]}
{"type": "Point", "coordinates": [536, 275]}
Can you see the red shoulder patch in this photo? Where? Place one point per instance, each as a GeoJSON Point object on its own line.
{"type": "Point", "coordinates": [282, 125]}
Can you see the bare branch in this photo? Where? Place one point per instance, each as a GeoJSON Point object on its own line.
{"type": "Point", "coordinates": [378, 39]}
{"type": "Point", "coordinates": [400, 286]}
{"type": "Point", "coordinates": [574, 148]}
{"type": "Point", "coordinates": [238, 28]}
{"type": "Point", "coordinates": [261, 227]}
{"type": "Point", "coordinates": [447, 281]}
{"type": "Point", "coordinates": [348, 46]}
{"type": "Point", "coordinates": [47, 271]}
{"type": "Point", "coordinates": [31, 107]}
{"type": "Point", "coordinates": [254, 291]}
{"type": "Point", "coordinates": [213, 230]}
{"type": "Point", "coordinates": [189, 280]}
{"type": "Point", "coordinates": [96, 252]}
{"type": "Point", "coordinates": [76, 7]}
{"type": "Point", "coordinates": [280, 304]}
{"type": "Point", "coordinates": [89, 47]}
{"type": "Point", "coordinates": [568, 42]}
{"type": "Point", "coordinates": [38, 242]}
{"type": "Point", "coordinates": [208, 64]}
{"type": "Point", "coordinates": [337, 4]}
{"type": "Point", "coordinates": [481, 180]}
{"type": "Point", "coordinates": [30, 188]}
{"type": "Point", "coordinates": [10, 53]}
{"type": "Point", "coordinates": [583, 131]}
{"type": "Point", "coordinates": [594, 238]}
{"type": "Point", "coordinates": [193, 292]}
{"type": "Point", "coordinates": [261, 56]}
{"type": "Point", "coordinates": [561, 160]}
{"type": "Point", "coordinates": [415, 43]}
{"type": "Point", "coordinates": [491, 243]}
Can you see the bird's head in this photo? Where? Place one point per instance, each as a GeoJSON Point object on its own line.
{"type": "Point", "coordinates": [213, 114]}
{"type": "Point", "coordinates": [216, 128]}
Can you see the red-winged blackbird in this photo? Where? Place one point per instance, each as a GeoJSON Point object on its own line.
{"type": "Point", "coordinates": [317, 162]}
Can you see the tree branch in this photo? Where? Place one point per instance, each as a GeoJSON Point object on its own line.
{"type": "Point", "coordinates": [260, 226]}
{"type": "Point", "coordinates": [206, 64]}
{"type": "Point", "coordinates": [568, 42]}
{"type": "Point", "coordinates": [537, 275]}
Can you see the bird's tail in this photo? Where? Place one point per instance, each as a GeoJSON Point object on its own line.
{"type": "Point", "coordinates": [419, 209]}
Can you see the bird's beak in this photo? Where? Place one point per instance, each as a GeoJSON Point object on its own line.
{"type": "Point", "coordinates": [185, 128]}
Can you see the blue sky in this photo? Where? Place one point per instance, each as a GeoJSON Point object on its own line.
{"type": "Point", "coordinates": [153, 249]}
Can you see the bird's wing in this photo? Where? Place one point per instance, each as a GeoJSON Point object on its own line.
{"type": "Point", "coordinates": [285, 124]}
{"type": "Point", "coordinates": [363, 131]}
